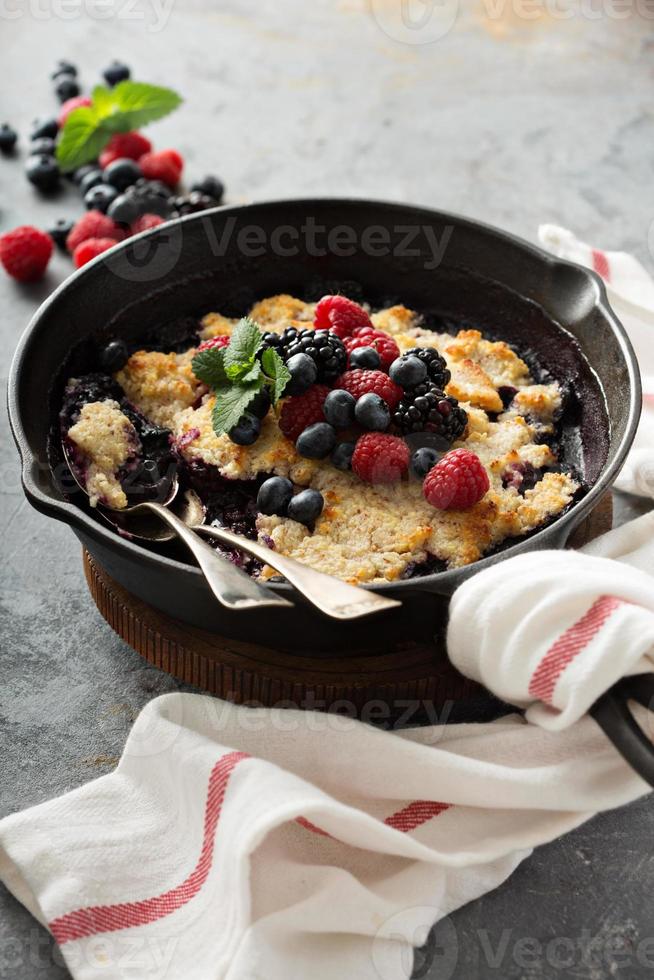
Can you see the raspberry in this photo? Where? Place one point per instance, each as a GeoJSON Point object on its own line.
{"type": "Point", "coordinates": [221, 341]}
{"type": "Point", "coordinates": [359, 382]}
{"type": "Point", "coordinates": [377, 339]}
{"type": "Point", "coordinates": [93, 224]}
{"type": "Point", "coordinates": [299, 411]}
{"type": "Point", "coordinates": [458, 481]}
{"type": "Point", "coordinates": [165, 165]}
{"type": "Point", "coordinates": [340, 315]}
{"type": "Point", "coordinates": [25, 252]}
{"type": "Point", "coordinates": [379, 458]}
{"type": "Point", "coordinates": [145, 222]}
{"type": "Point", "coordinates": [124, 145]}
{"type": "Point", "coordinates": [90, 248]}
{"type": "Point", "coordinates": [78, 102]}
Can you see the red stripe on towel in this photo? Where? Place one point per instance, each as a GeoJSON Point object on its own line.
{"type": "Point", "coordinates": [568, 645]}
{"type": "Point", "coordinates": [601, 264]}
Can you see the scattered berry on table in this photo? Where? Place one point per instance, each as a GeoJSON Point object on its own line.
{"type": "Point", "coordinates": [341, 458]}
{"type": "Point", "coordinates": [211, 187]}
{"type": "Point", "coordinates": [42, 171]}
{"type": "Point", "coordinates": [380, 458]}
{"type": "Point", "coordinates": [113, 356]}
{"type": "Point", "coordinates": [221, 341]}
{"type": "Point", "coordinates": [304, 373]}
{"type": "Point", "coordinates": [66, 88]}
{"type": "Point", "coordinates": [408, 371]}
{"type": "Point", "coordinates": [246, 431]}
{"type": "Point", "coordinates": [339, 408]}
{"type": "Point", "coordinates": [359, 383]}
{"type": "Point", "coordinates": [423, 460]}
{"type": "Point", "coordinates": [274, 496]}
{"type": "Point", "coordinates": [437, 370]}
{"type": "Point", "coordinates": [366, 358]}
{"type": "Point", "coordinates": [131, 145]}
{"type": "Point", "coordinates": [25, 252]}
{"type": "Point", "coordinates": [426, 408]}
{"type": "Point", "coordinates": [60, 231]}
{"type": "Point", "coordinates": [372, 412]}
{"type": "Point", "coordinates": [8, 137]}
{"type": "Point", "coordinates": [77, 176]}
{"type": "Point", "coordinates": [316, 441]}
{"type": "Point", "coordinates": [144, 197]}
{"type": "Point", "coordinates": [116, 72]}
{"type": "Point", "coordinates": [163, 165]}
{"type": "Point", "coordinates": [90, 248]}
{"type": "Point", "coordinates": [192, 203]}
{"type": "Point", "coordinates": [300, 411]}
{"type": "Point", "coordinates": [122, 173]}
{"type": "Point", "coordinates": [64, 68]}
{"type": "Point", "coordinates": [93, 224]}
{"type": "Point", "coordinates": [306, 507]}
{"type": "Point", "coordinates": [457, 481]}
{"type": "Point", "coordinates": [91, 178]}
{"type": "Point", "coordinates": [44, 146]}
{"type": "Point", "coordinates": [100, 197]}
{"type": "Point", "coordinates": [381, 342]}
{"type": "Point", "coordinates": [340, 315]}
{"type": "Point", "coordinates": [78, 102]}
{"type": "Point", "coordinates": [44, 127]}
{"type": "Point", "coordinates": [260, 404]}
{"type": "Point", "coordinates": [146, 221]}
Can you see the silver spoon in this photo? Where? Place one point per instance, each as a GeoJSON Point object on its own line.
{"type": "Point", "coordinates": [233, 587]}
{"type": "Point", "coordinates": [330, 595]}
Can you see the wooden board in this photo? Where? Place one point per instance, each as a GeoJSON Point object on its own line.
{"type": "Point", "coordinates": [415, 680]}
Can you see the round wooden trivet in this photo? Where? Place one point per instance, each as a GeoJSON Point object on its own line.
{"type": "Point", "coordinates": [411, 680]}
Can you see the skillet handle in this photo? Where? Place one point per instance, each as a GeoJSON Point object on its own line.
{"type": "Point", "coordinates": [613, 714]}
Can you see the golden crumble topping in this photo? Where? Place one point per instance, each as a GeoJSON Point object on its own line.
{"type": "Point", "coordinates": [108, 440]}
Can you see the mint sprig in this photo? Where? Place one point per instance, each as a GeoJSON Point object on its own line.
{"type": "Point", "coordinates": [127, 106]}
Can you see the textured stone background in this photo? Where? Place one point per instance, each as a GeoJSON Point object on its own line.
{"type": "Point", "coordinates": [512, 119]}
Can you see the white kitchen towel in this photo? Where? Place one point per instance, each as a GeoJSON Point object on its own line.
{"type": "Point", "coordinates": [631, 293]}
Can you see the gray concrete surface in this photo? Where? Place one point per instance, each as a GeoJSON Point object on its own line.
{"type": "Point", "coordinates": [507, 117]}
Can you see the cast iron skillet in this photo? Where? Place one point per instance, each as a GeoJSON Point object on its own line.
{"type": "Point", "coordinates": [459, 272]}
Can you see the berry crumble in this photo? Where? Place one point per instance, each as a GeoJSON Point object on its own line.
{"type": "Point", "coordinates": [361, 443]}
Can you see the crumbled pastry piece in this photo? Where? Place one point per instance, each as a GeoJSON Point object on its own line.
{"type": "Point", "coordinates": [495, 358]}
{"type": "Point", "coordinates": [216, 325]}
{"type": "Point", "coordinates": [108, 441]}
{"type": "Point", "coordinates": [160, 385]}
{"type": "Point", "coordinates": [278, 312]}
{"type": "Point", "coordinates": [396, 320]}
{"type": "Point", "coordinates": [538, 403]}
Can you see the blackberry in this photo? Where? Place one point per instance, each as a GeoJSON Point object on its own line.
{"type": "Point", "coordinates": [426, 408]}
{"type": "Point", "coordinates": [436, 367]}
{"type": "Point", "coordinates": [323, 347]}
{"type": "Point", "coordinates": [192, 203]}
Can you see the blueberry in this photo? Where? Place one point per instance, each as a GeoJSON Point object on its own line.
{"type": "Point", "coordinates": [116, 72]}
{"type": "Point", "coordinates": [260, 404]}
{"type": "Point", "coordinates": [408, 371]}
{"type": "Point", "coordinates": [8, 137]}
{"type": "Point", "coordinates": [113, 356]}
{"type": "Point", "coordinates": [66, 87]}
{"type": "Point", "coordinates": [125, 209]}
{"type": "Point", "coordinates": [317, 441]}
{"type": "Point", "coordinates": [372, 412]}
{"type": "Point", "coordinates": [342, 456]}
{"type": "Point", "coordinates": [64, 68]}
{"type": "Point", "coordinates": [91, 178]}
{"type": "Point", "coordinates": [122, 173]}
{"type": "Point", "coordinates": [366, 358]}
{"type": "Point", "coordinates": [304, 373]}
{"type": "Point", "coordinates": [43, 146]}
{"type": "Point", "coordinates": [274, 496]}
{"type": "Point", "coordinates": [246, 431]}
{"type": "Point", "coordinates": [423, 460]}
{"type": "Point", "coordinates": [339, 408]}
{"type": "Point", "coordinates": [44, 127]}
{"type": "Point", "coordinates": [43, 172]}
{"type": "Point", "coordinates": [59, 232]}
{"type": "Point", "coordinates": [211, 186]}
{"type": "Point", "coordinates": [306, 507]}
{"type": "Point", "coordinates": [81, 172]}
{"type": "Point", "coordinates": [100, 197]}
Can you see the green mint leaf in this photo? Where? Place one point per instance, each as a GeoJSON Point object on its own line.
{"type": "Point", "coordinates": [82, 139]}
{"type": "Point", "coordinates": [275, 368]}
{"type": "Point", "coordinates": [231, 403]}
{"type": "Point", "coordinates": [104, 103]}
{"type": "Point", "coordinates": [138, 103]}
{"type": "Point", "coordinates": [209, 366]}
{"type": "Point", "coordinates": [245, 341]}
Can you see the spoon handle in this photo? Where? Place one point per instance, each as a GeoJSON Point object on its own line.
{"type": "Point", "coordinates": [330, 595]}
{"type": "Point", "coordinates": [230, 585]}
